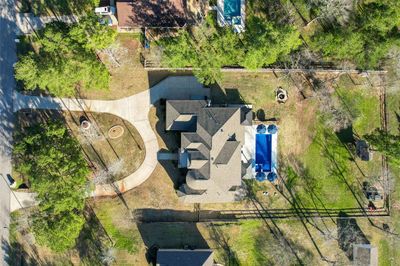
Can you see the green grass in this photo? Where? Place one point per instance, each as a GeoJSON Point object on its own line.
{"type": "Point", "coordinates": [124, 239]}
{"type": "Point", "coordinates": [243, 245]}
{"type": "Point", "coordinates": [363, 105]}
{"type": "Point", "coordinates": [384, 253]}
{"type": "Point", "coordinates": [251, 243]}
{"type": "Point", "coordinates": [328, 166]}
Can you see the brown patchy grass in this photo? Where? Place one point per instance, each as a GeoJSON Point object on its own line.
{"type": "Point", "coordinates": [102, 152]}
{"type": "Point", "coordinates": [296, 118]}
{"type": "Point", "coordinates": [130, 77]}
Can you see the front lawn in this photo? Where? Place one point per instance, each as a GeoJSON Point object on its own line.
{"type": "Point", "coordinates": [113, 159]}
{"type": "Point", "coordinates": [122, 155]}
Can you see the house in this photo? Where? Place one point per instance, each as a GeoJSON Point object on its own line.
{"type": "Point", "coordinates": [212, 138]}
{"type": "Point", "coordinates": [365, 255]}
{"type": "Point", "coordinates": [181, 257]}
{"type": "Point", "coordinates": [133, 15]}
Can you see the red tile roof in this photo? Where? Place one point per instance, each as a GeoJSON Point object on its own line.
{"type": "Point", "coordinates": [151, 13]}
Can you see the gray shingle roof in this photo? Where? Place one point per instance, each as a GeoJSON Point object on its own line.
{"type": "Point", "coordinates": [213, 146]}
{"type": "Point", "coordinates": [179, 257]}
{"type": "Point", "coordinates": [226, 152]}
{"type": "Point", "coordinates": [213, 118]}
{"type": "Point", "coordinates": [177, 108]}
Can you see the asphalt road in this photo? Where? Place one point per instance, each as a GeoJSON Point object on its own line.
{"type": "Point", "coordinates": [7, 84]}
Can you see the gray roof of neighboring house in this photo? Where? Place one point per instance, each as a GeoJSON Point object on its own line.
{"type": "Point", "coordinates": [180, 257]}
{"type": "Point", "coordinates": [213, 145]}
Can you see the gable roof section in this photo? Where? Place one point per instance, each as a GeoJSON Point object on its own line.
{"type": "Point", "coordinates": [151, 13]}
{"type": "Point", "coordinates": [213, 118]}
{"type": "Point", "coordinates": [177, 114]}
{"type": "Point", "coordinates": [226, 152]}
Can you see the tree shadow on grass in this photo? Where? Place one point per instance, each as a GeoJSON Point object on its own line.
{"type": "Point", "coordinates": [93, 239]}
{"type": "Point", "coordinates": [229, 255]}
{"type": "Point", "coordinates": [221, 96]}
{"type": "Point", "coordinates": [349, 233]}
{"type": "Point", "coordinates": [15, 254]}
{"type": "Point", "coordinates": [172, 143]}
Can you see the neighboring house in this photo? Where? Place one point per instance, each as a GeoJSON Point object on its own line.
{"type": "Point", "coordinates": [181, 257]}
{"type": "Point", "coordinates": [211, 144]}
{"type": "Point", "coordinates": [365, 255]}
{"type": "Point", "coordinates": [133, 15]}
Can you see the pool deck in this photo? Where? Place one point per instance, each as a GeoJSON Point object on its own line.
{"type": "Point", "coordinates": [221, 19]}
{"type": "Point", "coordinates": [249, 150]}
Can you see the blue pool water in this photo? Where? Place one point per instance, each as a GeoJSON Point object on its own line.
{"type": "Point", "coordinates": [263, 152]}
{"type": "Point", "coordinates": [231, 8]}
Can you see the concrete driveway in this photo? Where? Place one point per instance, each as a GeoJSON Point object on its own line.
{"type": "Point", "coordinates": [134, 109]}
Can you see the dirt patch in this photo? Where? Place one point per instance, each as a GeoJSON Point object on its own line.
{"type": "Point", "coordinates": [296, 129]}
{"type": "Point", "coordinates": [128, 76]}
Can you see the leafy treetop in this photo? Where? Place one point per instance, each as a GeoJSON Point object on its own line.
{"type": "Point", "coordinates": [52, 161]}
{"type": "Point", "coordinates": [67, 58]}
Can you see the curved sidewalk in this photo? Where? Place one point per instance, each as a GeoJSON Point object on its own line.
{"type": "Point", "coordinates": [135, 109]}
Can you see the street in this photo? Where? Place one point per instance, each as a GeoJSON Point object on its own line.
{"type": "Point", "coordinates": [7, 84]}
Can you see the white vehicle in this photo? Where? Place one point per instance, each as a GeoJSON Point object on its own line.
{"type": "Point", "coordinates": [105, 10]}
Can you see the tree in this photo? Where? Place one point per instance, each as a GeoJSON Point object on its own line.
{"type": "Point", "coordinates": [386, 143]}
{"type": "Point", "coordinates": [208, 48]}
{"type": "Point", "coordinates": [58, 232]}
{"type": "Point", "coordinates": [333, 11]}
{"type": "Point", "coordinates": [266, 42]}
{"type": "Point", "coordinates": [52, 161]}
{"type": "Point", "coordinates": [178, 51]}
{"type": "Point", "coordinates": [67, 58]}
{"type": "Point", "coordinates": [366, 39]}
{"type": "Point", "coordinates": [91, 35]}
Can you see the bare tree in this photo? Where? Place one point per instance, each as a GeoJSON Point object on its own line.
{"type": "Point", "coordinates": [108, 256]}
{"type": "Point", "coordinates": [105, 176]}
{"type": "Point", "coordinates": [334, 11]}
{"type": "Point", "coordinates": [335, 115]}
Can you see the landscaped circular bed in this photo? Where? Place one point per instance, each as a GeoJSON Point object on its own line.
{"type": "Point", "coordinates": [112, 146]}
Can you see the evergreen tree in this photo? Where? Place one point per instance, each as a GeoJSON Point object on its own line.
{"type": "Point", "coordinates": [51, 159]}
{"type": "Point", "coordinates": [67, 58]}
{"type": "Point", "coordinates": [386, 143]}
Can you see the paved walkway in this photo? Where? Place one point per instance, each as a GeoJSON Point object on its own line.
{"type": "Point", "coordinates": [28, 22]}
{"type": "Point", "coordinates": [135, 110]}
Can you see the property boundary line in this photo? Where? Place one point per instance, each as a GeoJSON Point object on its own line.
{"type": "Point", "coordinates": [205, 216]}
{"type": "Point", "coordinates": [269, 70]}
{"type": "Point", "coordinates": [384, 127]}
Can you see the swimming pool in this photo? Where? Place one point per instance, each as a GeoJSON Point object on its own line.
{"type": "Point", "coordinates": [263, 152]}
{"type": "Point", "coordinates": [231, 8]}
